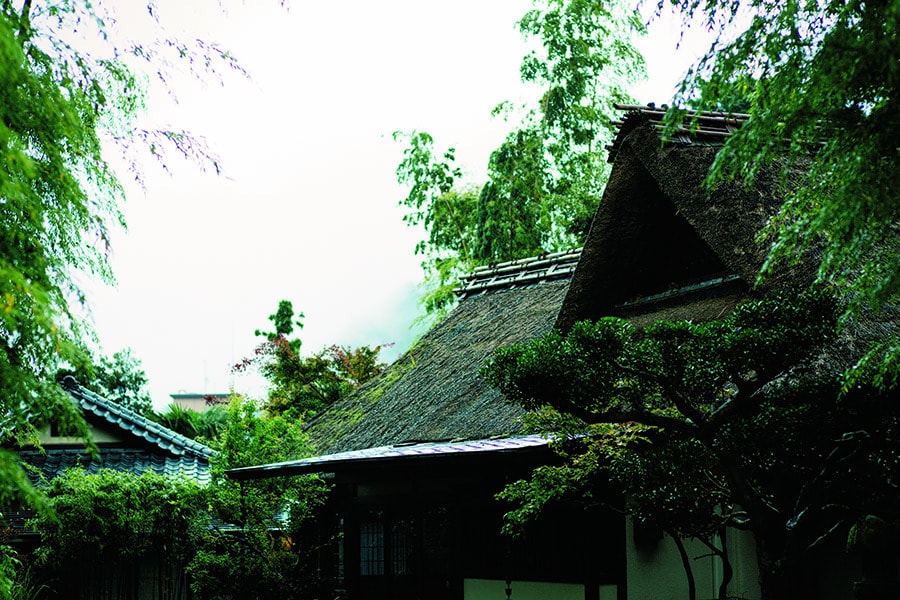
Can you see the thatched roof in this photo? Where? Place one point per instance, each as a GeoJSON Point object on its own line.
{"type": "Point", "coordinates": [659, 230]}
{"type": "Point", "coordinates": [660, 247]}
{"type": "Point", "coordinates": [434, 392]}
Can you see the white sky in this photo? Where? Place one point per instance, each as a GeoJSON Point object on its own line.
{"type": "Point", "coordinates": [307, 206]}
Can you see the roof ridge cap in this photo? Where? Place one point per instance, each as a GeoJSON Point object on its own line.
{"type": "Point", "coordinates": [140, 425]}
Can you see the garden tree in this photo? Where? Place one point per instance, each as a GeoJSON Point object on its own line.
{"type": "Point", "coordinates": [545, 179]}
{"type": "Point", "coordinates": [446, 210]}
{"type": "Point", "coordinates": [284, 323]}
{"type": "Point", "coordinates": [513, 219]}
{"type": "Point", "coordinates": [302, 385]}
{"type": "Point", "coordinates": [744, 422]}
{"type": "Point", "coordinates": [585, 63]}
{"type": "Point", "coordinates": [71, 83]}
{"type": "Point", "coordinates": [202, 426]}
{"type": "Point", "coordinates": [121, 379]}
{"type": "Point", "coordinates": [118, 378]}
{"type": "Point", "coordinates": [232, 539]}
{"type": "Point", "coordinates": [821, 79]}
{"type": "Point", "coordinates": [267, 558]}
{"type": "Point", "coordinates": [105, 524]}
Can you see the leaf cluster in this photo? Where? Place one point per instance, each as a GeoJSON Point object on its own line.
{"type": "Point", "coordinates": [736, 422]}
{"type": "Point", "coordinates": [114, 515]}
{"type": "Point", "coordinates": [119, 378]}
{"type": "Point", "coordinates": [258, 556]}
{"type": "Point", "coordinates": [203, 426]}
{"type": "Point", "coordinates": [545, 179]}
{"type": "Point", "coordinates": [303, 385]}
{"type": "Point", "coordinates": [820, 78]}
{"type": "Point", "coordinates": [235, 540]}
{"type": "Point", "coordinates": [676, 374]}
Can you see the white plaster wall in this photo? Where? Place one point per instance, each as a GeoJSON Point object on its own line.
{"type": "Point", "coordinates": [100, 436]}
{"type": "Point", "coordinates": [493, 589]}
{"type": "Point", "coordinates": [658, 574]}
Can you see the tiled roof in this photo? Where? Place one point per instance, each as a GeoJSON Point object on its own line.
{"type": "Point", "coordinates": [160, 450]}
{"type": "Point", "coordinates": [53, 461]}
{"type": "Point", "coordinates": [519, 273]}
{"type": "Point", "coordinates": [699, 128]}
{"type": "Point", "coordinates": [331, 462]}
{"type": "Point", "coordinates": [166, 439]}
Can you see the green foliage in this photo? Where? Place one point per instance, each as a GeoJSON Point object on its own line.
{"type": "Point", "coordinates": [823, 97]}
{"type": "Point", "coordinates": [739, 422]}
{"type": "Point", "coordinates": [109, 523]}
{"type": "Point", "coordinates": [17, 578]}
{"type": "Point", "coordinates": [69, 84]}
{"type": "Point", "coordinates": [121, 379]}
{"type": "Point", "coordinates": [56, 191]}
{"type": "Point", "coordinates": [203, 426]}
{"type": "Point", "coordinates": [514, 218]}
{"type": "Point", "coordinates": [114, 513]}
{"type": "Point", "coordinates": [284, 324]}
{"type": "Point", "coordinates": [118, 378]}
{"type": "Point", "coordinates": [235, 540]}
{"type": "Point", "coordinates": [258, 558]}
{"type": "Point", "coordinates": [586, 61]}
{"type": "Point", "coordinates": [252, 438]}
{"type": "Point", "coordinates": [9, 566]}
{"type": "Point", "coordinates": [546, 178]}
{"type": "Point", "coordinates": [446, 211]}
{"type": "Point", "coordinates": [302, 385]}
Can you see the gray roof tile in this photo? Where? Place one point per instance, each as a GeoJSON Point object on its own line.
{"type": "Point", "coordinates": [138, 425]}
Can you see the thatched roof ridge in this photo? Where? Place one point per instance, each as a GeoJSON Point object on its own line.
{"type": "Point", "coordinates": [523, 272]}
{"type": "Point", "coordinates": [434, 392]}
{"type": "Point", "coordinates": [702, 127]}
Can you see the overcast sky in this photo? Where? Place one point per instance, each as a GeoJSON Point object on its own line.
{"type": "Point", "coordinates": [306, 208]}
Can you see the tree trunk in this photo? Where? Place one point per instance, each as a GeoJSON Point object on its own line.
{"type": "Point", "coordinates": [686, 563]}
{"type": "Point", "coordinates": [780, 578]}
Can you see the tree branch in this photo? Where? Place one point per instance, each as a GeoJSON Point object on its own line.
{"type": "Point", "coordinates": [680, 402]}
{"type": "Point", "coordinates": [25, 19]}
{"type": "Point", "coordinates": [632, 416]}
{"type": "Point", "coordinates": [686, 563]}
{"type": "Point", "coordinates": [734, 405]}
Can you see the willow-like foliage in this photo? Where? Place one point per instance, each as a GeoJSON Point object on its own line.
{"type": "Point", "coordinates": [821, 78]}
{"type": "Point", "coordinates": [70, 85]}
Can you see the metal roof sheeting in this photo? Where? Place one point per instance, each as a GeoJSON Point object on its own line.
{"type": "Point", "coordinates": [330, 463]}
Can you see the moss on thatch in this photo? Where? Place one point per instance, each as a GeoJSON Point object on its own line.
{"type": "Point", "coordinates": [434, 392]}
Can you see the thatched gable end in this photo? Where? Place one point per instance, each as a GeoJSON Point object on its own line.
{"type": "Point", "coordinates": [658, 229]}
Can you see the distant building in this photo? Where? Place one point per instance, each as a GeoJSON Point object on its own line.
{"type": "Point", "coordinates": [199, 402]}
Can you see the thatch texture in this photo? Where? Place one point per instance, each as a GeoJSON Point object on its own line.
{"type": "Point", "coordinates": [434, 392]}
{"type": "Point", "coordinates": [658, 227]}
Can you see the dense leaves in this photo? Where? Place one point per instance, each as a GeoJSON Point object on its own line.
{"type": "Point", "coordinates": [69, 94]}
{"type": "Point", "coordinates": [57, 204]}
{"type": "Point", "coordinates": [821, 80]}
{"type": "Point", "coordinates": [256, 555]}
{"type": "Point", "coordinates": [545, 179]}
{"type": "Point", "coordinates": [302, 385]}
{"type": "Point", "coordinates": [234, 540]}
{"type": "Point", "coordinates": [203, 426]}
{"type": "Point", "coordinates": [113, 522]}
{"type": "Point", "coordinates": [119, 378]}
{"type": "Point", "coordinates": [745, 422]}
